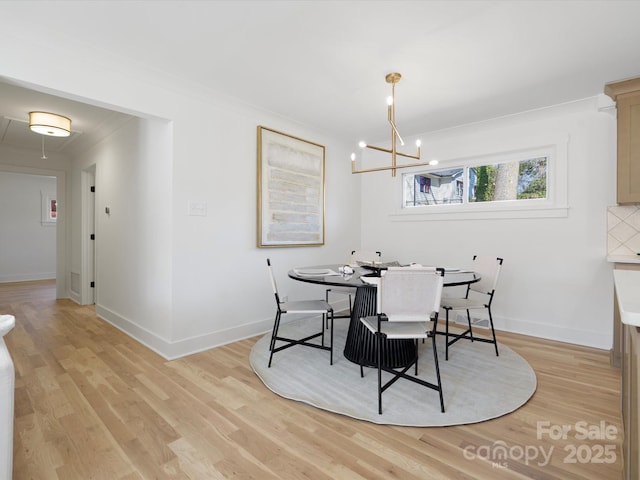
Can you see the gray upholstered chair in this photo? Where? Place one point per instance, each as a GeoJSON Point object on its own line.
{"type": "Point", "coordinates": [309, 307]}
{"type": "Point", "coordinates": [479, 296]}
{"type": "Point", "coordinates": [408, 303]}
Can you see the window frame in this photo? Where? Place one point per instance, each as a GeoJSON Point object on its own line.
{"type": "Point", "coordinates": [554, 205]}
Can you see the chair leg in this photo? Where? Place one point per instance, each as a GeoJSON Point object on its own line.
{"type": "Point", "coordinates": [469, 322]}
{"type": "Point", "coordinates": [274, 332]}
{"type": "Point", "coordinates": [331, 340]}
{"type": "Point", "coordinates": [417, 356]}
{"type": "Point", "coordinates": [435, 359]}
{"type": "Point", "coordinates": [326, 299]}
{"type": "Point", "coordinates": [276, 325]}
{"type": "Point", "coordinates": [379, 373]}
{"type": "Point", "coordinates": [495, 342]}
{"type": "Point", "coordinates": [360, 355]}
{"type": "Point", "coordinates": [446, 335]}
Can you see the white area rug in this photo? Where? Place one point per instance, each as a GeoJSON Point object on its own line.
{"type": "Point", "coordinates": [477, 385]}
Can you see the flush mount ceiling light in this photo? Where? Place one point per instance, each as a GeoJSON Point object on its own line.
{"type": "Point", "coordinates": [391, 78]}
{"type": "Point", "coordinates": [50, 124]}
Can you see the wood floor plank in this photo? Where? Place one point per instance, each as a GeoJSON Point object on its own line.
{"type": "Point", "coordinates": [91, 402]}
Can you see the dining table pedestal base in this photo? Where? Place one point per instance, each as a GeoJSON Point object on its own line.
{"type": "Point", "coordinates": [361, 346]}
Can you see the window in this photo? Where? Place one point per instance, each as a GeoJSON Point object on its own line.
{"type": "Point", "coordinates": [512, 184]}
{"type": "Point", "coordinates": [434, 188]}
{"type": "Point", "coordinates": [517, 180]}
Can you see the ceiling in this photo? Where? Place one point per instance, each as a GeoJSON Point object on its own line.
{"type": "Point", "coordinates": [89, 124]}
{"type": "Point", "coordinates": [323, 63]}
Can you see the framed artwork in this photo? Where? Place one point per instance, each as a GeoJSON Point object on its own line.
{"type": "Point", "coordinates": [49, 208]}
{"type": "Point", "coordinates": [290, 191]}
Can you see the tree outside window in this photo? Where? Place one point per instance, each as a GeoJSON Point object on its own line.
{"type": "Point", "coordinates": [493, 182]}
{"type": "Point", "coordinates": [519, 180]}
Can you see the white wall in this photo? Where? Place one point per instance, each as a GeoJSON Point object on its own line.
{"type": "Point", "coordinates": [555, 282]}
{"type": "Point", "coordinates": [133, 241]}
{"type": "Point", "coordinates": [220, 284]}
{"type": "Point", "coordinates": [182, 283]}
{"type": "Point", "coordinates": [27, 245]}
{"type": "Point", "coordinates": [176, 282]}
{"type": "Point", "coordinates": [16, 160]}
{"type": "Point", "coordinates": [28, 164]}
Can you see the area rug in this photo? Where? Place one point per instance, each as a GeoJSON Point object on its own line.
{"type": "Point", "coordinates": [477, 385]}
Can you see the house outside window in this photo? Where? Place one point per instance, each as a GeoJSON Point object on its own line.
{"type": "Point", "coordinates": [503, 181]}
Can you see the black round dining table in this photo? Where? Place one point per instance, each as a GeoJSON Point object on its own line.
{"type": "Point", "coordinates": [360, 344]}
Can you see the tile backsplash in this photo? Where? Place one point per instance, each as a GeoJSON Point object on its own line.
{"type": "Point", "coordinates": [623, 230]}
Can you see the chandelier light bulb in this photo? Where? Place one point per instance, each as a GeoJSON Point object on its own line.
{"type": "Point", "coordinates": [362, 144]}
{"type": "Point", "coordinates": [389, 101]}
{"type": "Point", "coordinates": [418, 143]}
{"type": "Point", "coordinates": [433, 162]}
{"type": "Point", "coordinates": [353, 157]}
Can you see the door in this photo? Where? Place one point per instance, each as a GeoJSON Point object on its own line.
{"type": "Point", "coordinates": [89, 284]}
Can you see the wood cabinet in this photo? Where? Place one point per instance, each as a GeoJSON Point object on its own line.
{"type": "Point", "coordinates": [627, 339]}
{"type": "Point", "coordinates": [618, 342]}
{"type": "Point", "coordinates": [627, 97]}
{"type": "Point", "coordinates": [630, 399]}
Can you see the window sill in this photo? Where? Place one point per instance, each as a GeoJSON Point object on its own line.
{"type": "Point", "coordinates": [476, 212]}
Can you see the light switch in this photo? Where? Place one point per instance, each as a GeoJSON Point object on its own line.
{"type": "Point", "coordinates": [197, 208]}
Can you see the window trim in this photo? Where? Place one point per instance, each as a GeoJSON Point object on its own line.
{"type": "Point", "coordinates": [554, 206]}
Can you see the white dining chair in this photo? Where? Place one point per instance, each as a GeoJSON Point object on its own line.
{"type": "Point", "coordinates": [356, 256]}
{"type": "Point", "coordinates": [313, 308]}
{"type": "Point", "coordinates": [408, 303]}
{"type": "Point", "coordinates": [479, 295]}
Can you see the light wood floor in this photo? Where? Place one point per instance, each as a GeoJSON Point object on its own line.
{"type": "Point", "coordinates": [91, 403]}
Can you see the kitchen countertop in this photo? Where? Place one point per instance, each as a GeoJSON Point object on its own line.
{"type": "Point", "coordinates": [623, 258]}
{"type": "Point", "coordinates": [627, 284]}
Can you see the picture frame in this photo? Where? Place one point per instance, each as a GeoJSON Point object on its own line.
{"type": "Point", "coordinates": [49, 210]}
{"type": "Point", "coordinates": [291, 190]}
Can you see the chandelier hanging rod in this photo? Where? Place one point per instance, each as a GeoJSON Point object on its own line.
{"type": "Point", "coordinates": [391, 78]}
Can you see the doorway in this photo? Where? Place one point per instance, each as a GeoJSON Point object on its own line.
{"type": "Point", "coordinates": [37, 202]}
{"type": "Point", "coordinates": [88, 276]}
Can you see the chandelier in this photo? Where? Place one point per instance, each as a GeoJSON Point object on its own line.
{"type": "Point", "coordinates": [391, 78]}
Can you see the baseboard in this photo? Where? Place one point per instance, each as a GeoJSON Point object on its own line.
{"type": "Point", "coordinates": [615, 359]}
{"type": "Point", "coordinates": [27, 277]}
{"type": "Point", "coordinates": [577, 336]}
{"type": "Point", "coordinates": [172, 350]}
{"type": "Point", "coordinates": [75, 296]}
